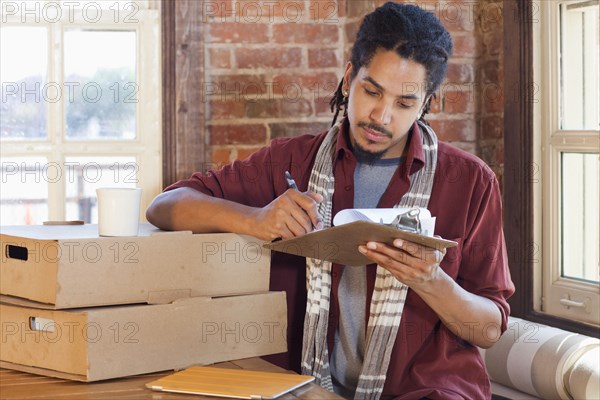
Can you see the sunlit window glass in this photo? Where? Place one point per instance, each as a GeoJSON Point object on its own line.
{"type": "Point", "coordinates": [25, 90]}
{"type": "Point", "coordinates": [24, 193]}
{"type": "Point", "coordinates": [580, 219]}
{"type": "Point", "coordinates": [103, 93]}
{"type": "Point", "coordinates": [579, 65]}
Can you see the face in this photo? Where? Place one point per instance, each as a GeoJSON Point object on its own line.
{"type": "Point", "coordinates": [385, 99]}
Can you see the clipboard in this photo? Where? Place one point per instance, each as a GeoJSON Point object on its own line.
{"type": "Point", "coordinates": [339, 244]}
{"type": "Point", "coordinates": [231, 383]}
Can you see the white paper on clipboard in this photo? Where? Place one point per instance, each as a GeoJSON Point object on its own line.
{"type": "Point", "coordinates": [384, 216]}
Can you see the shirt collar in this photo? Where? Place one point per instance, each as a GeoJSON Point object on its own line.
{"type": "Point", "coordinates": [342, 147]}
{"type": "Point", "coordinates": [415, 156]}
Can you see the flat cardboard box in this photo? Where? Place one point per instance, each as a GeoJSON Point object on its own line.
{"type": "Point", "coordinates": [109, 342]}
{"type": "Point", "coordinates": [71, 266]}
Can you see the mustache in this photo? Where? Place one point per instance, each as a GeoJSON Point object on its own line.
{"type": "Point", "coordinates": [376, 128]}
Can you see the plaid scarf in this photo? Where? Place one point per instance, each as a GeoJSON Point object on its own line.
{"type": "Point", "coordinates": [389, 294]}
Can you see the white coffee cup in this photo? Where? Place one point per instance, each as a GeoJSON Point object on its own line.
{"type": "Point", "coordinates": [118, 211]}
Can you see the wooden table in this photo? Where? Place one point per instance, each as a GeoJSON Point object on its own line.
{"type": "Point", "coordinates": [21, 385]}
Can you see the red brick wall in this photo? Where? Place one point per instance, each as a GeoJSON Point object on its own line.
{"type": "Point", "coordinates": [271, 67]}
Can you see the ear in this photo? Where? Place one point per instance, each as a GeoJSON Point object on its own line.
{"type": "Point", "coordinates": [347, 76]}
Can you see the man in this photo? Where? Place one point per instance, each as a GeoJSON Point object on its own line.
{"type": "Point", "coordinates": [409, 326]}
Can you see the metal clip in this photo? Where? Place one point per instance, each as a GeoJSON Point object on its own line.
{"type": "Point", "coordinates": [408, 221]}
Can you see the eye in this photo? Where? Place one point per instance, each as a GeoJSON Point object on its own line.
{"type": "Point", "coordinates": [370, 92]}
{"type": "Point", "coordinates": [404, 105]}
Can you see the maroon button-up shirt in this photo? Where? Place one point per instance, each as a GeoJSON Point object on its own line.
{"type": "Point", "coordinates": [427, 360]}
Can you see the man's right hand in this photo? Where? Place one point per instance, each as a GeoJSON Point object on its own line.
{"type": "Point", "coordinates": [292, 214]}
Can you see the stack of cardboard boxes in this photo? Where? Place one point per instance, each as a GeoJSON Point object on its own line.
{"type": "Point", "coordinates": [83, 307]}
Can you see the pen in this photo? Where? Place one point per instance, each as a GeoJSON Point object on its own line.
{"type": "Point", "coordinates": [291, 183]}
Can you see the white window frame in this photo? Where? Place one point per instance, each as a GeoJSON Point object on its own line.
{"type": "Point", "coordinates": [553, 294]}
{"type": "Point", "coordinates": [147, 145]}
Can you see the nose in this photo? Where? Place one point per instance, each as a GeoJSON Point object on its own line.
{"type": "Point", "coordinates": [382, 113]}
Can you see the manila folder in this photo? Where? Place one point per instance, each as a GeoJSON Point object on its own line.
{"type": "Point", "coordinates": [233, 383]}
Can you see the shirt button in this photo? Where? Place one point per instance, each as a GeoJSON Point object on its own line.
{"type": "Point", "coordinates": [348, 188]}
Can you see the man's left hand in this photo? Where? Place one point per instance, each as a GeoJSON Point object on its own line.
{"type": "Point", "coordinates": [412, 264]}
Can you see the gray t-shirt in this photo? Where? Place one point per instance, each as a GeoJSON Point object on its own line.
{"type": "Point", "coordinates": [347, 355]}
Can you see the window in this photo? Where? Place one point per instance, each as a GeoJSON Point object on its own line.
{"type": "Point", "coordinates": [80, 106]}
{"type": "Point", "coordinates": [567, 143]}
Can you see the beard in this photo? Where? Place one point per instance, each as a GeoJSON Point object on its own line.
{"type": "Point", "coordinates": [368, 156]}
{"type": "Point", "coordinates": [365, 156]}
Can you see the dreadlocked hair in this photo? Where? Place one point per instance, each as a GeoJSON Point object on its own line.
{"type": "Point", "coordinates": [337, 102]}
{"type": "Point", "coordinates": [426, 108]}
{"type": "Point", "coordinates": [411, 32]}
